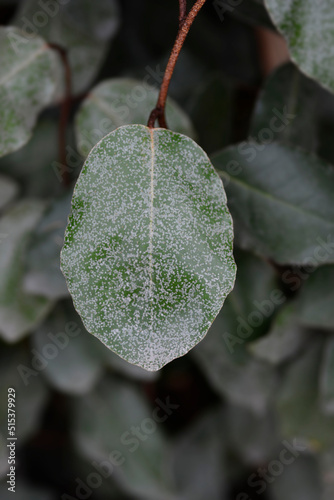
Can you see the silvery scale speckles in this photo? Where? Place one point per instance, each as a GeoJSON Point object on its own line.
{"type": "Point", "coordinates": [148, 248]}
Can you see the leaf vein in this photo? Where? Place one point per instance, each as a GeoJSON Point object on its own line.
{"type": "Point", "coordinates": [150, 247]}
{"type": "Point", "coordinates": [22, 66]}
{"type": "Point", "coordinates": [274, 199]}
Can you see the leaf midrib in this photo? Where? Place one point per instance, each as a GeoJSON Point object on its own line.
{"type": "Point", "coordinates": [106, 109]}
{"type": "Point", "coordinates": [150, 245]}
{"type": "Point", "coordinates": [22, 66]}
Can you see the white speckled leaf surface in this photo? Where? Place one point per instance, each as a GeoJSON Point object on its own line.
{"type": "Point", "coordinates": [122, 101]}
{"type": "Point", "coordinates": [308, 27]}
{"type": "Point", "coordinates": [27, 84]}
{"type": "Point", "coordinates": [148, 249]}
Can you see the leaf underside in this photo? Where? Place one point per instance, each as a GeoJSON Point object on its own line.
{"type": "Point", "coordinates": [148, 249]}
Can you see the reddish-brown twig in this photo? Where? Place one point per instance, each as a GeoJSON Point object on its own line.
{"type": "Point", "coordinates": [182, 12]}
{"type": "Point", "coordinates": [158, 112]}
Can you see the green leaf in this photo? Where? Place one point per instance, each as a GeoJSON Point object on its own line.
{"type": "Point", "coordinates": [263, 296]}
{"type": "Point", "coordinates": [287, 91]}
{"type": "Point", "coordinates": [8, 190]}
{"type": "Point", "coordinates": [310, 106]}
{"type": "Point", "coordinates": [35, 166]}
{"type": "Point", "coordinates": [314, 304]}
{"type": "Point", "coordinates": [308, 27]}
{"type": "Point", "coordinates": [327, 378]}
{"type": "Point", "coordinates": [285, 338]}
{"type": "Point", "coordinates": [130, 371]}
{"type": "Point", "coordinates": [104, 425]}
{"type": "Point", "coordinates": [326, 460]}
{"type": "Point", "coordinates": [71, 363]}
{"type": "Point", "coordinates": [299, 387]}
{"type": "Point", "coordinates": [43, 276]}
{"type": "Point", "coordinates": [238, 376]}
{"type": "Point", "coordinates": [148, 249]}
{"type": "Point", "coordinates": [298, 398]}
{"type": "Point", "coordinates": [281, 201]}
{"type": "Point", "coordinates": [19, 312]}
{"type": "Point", "coordinates": [232, 370]}
{"type": "Point", "coordinates": [299, 480]}
{"type": "Point", "coordinates": [122, 101]}
{"type": "Point", "coordinates": [84, 28]}
{"type": "Point", "coordinates": [28, 84]}
{"type": "Point", "coordinates": [198, 459]}
{"type": "Point", "coordinates": [253, 437]}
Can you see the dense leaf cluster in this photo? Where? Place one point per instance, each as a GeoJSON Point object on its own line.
{"type": "Point", "coordinates": [249, 413]}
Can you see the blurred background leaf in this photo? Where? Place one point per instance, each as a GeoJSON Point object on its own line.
{"type": "Point", "coordinates": [314, 304]}
{"type": "Point", "coordinates": [27, 86]}
{"type": "Point", "coordinates": [280, 198]}
{"type": "Point", "coordinates": [233, 371]}
{"type": "Point", "coordinates": [19, 312]}
{"type": "Point", "coordinates": [284, 340]}
{"type": "Point", "coordinates": [299, 22]}
{"type": "Point", "coordinates": [118, 102]}
{"type": "Point", "coordinates": [84, 29]}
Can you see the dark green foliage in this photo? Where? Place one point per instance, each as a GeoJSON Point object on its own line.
{"type": "Point", "coordinates": [249, 413]}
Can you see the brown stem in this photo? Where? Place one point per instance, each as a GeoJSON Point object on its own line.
{"type": "Point", "coordinates": [159, 111]}
{"type": "Point", "coordinates": [64, 112]}
{"type": "Point", "coordinates": [182, 12]}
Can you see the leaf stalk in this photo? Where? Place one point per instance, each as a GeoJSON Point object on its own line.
{"type": "Point", "coordinates": [185, 22]}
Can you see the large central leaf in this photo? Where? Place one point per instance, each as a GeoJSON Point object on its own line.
{"type": "Point", "coordinates": [148, 249]}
